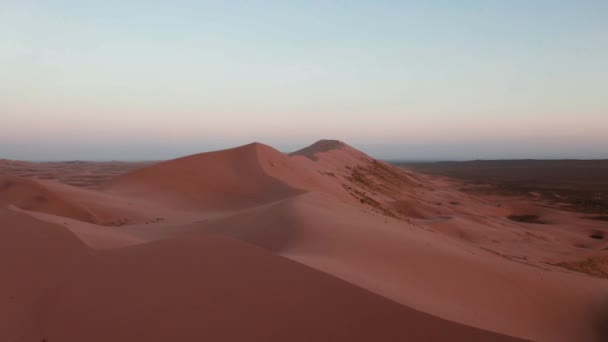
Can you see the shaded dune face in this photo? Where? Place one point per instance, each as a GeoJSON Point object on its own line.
{"type": "Point", "coordinates": [274, 228]}
{"type": "Point", "coordinates": [29, 194]}
{"type": "Point", "coordinates": [34, 257]}
{"type": "Point", "coordinates": [214, 288]}
{"type": "Point", "coordinates": [207, 287]}
{"type": "Point", "coordinates": [229, 179]}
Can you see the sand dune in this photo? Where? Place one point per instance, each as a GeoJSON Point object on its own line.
{"type": "Point", "coordinates": [229, 179]}
{"type": "Point", "coordinates": [423, 270]}
{"type": "Point", "coordinates": [31, 195]}
{"type": "Point", "coordinates": [34, 257]}
{"type": "Point", "coordinates": [219, 289]}
{"type": "Point", "coordinates": [325, 243]}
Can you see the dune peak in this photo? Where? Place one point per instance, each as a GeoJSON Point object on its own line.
{"type": "Point", "coordinates": [323, 145]}
{"type": "Point", "coordinates": [256, 145]}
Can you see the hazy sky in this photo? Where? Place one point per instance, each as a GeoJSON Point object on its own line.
{"type": "Point", "coordinates": [398, 79]}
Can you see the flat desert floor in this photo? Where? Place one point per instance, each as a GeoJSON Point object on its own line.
{"type": "Point", "coordinates": [323, 244]}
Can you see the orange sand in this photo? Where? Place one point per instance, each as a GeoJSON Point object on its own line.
{"type": "Point", "coordinates": [324, 244]}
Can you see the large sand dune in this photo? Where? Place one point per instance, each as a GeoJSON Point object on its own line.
{"type": "Point", "coordinates": [324, 244]}
{"type": "Point", "coordinates": [229, 179]}
{"type": "Point", "coordinates": [213, 288]}
{"type": "Point", "coordinates": [35, 256]}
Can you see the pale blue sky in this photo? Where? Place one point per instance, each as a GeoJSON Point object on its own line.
{"type": "Point", "coordinates": [398, 79]}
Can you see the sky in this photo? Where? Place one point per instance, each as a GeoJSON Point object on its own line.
{"type": "Point", "coordinates": [417, 80]}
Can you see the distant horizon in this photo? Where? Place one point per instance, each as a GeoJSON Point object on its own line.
{"type": "Point", "coordinates": [427, 159]}
{"type": "Point", "coordinates": [438, 80]}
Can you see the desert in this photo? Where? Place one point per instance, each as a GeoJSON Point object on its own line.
{"type": "Point", "coordinates": [322, 244]}
{"type": "Point", "coordinates": [303, 171]}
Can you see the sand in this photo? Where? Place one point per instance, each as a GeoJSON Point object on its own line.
{"type": "Point", "coordinates": [324, 244]}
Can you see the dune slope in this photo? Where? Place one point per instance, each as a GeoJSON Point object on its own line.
{"type": "Point", "coordinates": [213, 288]}
{"type": "Point", "coordinates": [224, 180]}
{"type": "Point", "coordinates": [34, 257]}
{"type": "Point", "coordinates": [29, 194]}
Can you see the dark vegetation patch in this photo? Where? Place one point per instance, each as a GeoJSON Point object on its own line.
{"type": "Point", "coordinates": [597, 234]}
{"type": "Point", "coordinates": [592, 266]}
{"type": "Point", "coordinates": [377, 178]}
{"type": "Point", "coordinates": [380, 177]}
{"type": "Point", "coordinates": [117, 223]}
{"type": "Point", "coordinates": [575, 185]}
{"type": "Point", "coordinates": [365, 199]}
{"type": "Point", "coordinates": [597, 218]}
{"type": "Point", "coordinates": [527, 219]}
{"type": "Point", "coordinates": [330, 174]}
